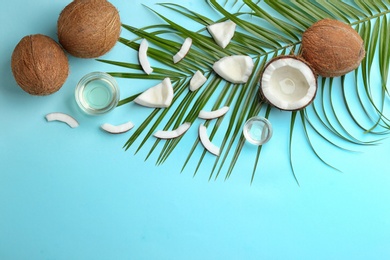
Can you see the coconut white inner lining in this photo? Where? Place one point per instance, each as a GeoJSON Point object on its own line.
{"type": "Point", "coordinates": [174, 133]}
{"type": "Point", "coordinates": [143, 57]}
{"type": "Point", "coordinates": [222, 32]}
{"type": "Point", "coordinates": [61, 117]}
{"type": "Point", "coordinates": [236, 69]}
{"type": "Point", "coordinates": [197, 81]}
{"type": "Point", "coordinates": [159, 96]}
{"type": "Point", "coordinates": [213, 114]}
{"type": "Point", "coordinates": [117, 129]}
{"type": "Point", "coordinates": [185, 48]}
{"type": "Point", "coordinates": [205, 140]}
{"type": "Point", "coordinates": [289, 84]}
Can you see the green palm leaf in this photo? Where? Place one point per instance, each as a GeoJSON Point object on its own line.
{"type": "Point", "coordinates": [262, 36]}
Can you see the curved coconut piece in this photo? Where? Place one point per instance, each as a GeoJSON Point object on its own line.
{"type": "Point", "coordinates": [332, 48]}
{"type": "Point", "coordinates": [61, 117]}
{"type": "Point", "coordinates": [174, 133]}
{"type": "Point", "coordinates": [222, 32]}
{"type": "Point", "coordinates": [197, 81]}
{"type": "Point", "coordinates": [205, 140]}
{"type": "Point", "coordinates": [236, 69]}
{"type": "Point", "coordinates": [288, 83]}
{"type": "Point", "coordinates": [117, 129]}
{"type": "Point", "coordinates": [159, 96]}
{"type": "Point", "coordinates": [143, 57]}
{"type": "Point", "coordinates": [185, 48]}
{"type": "Point", "coordinates": [213, 114]}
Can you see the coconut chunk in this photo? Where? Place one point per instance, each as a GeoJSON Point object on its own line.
{"type": "Point", "coordinates": [159, 96]}
{"type": "Point", "coordinates": [236, 69]}
{"type": "Point", "coordinates": [61, 117]}
{"type": "Point", "coordinates": [117, 129]}
{"type": "Point", "coordinates": [185, 48]}
{"type": "Point", "coordinates": [205, 140]}
{"type": "Point", "coordinates": [288, 83]}
{"type": "Point", "coordinates": [213, 114]}
{"type": "Point", "coordinates": [174, 133]}
{"type": "Point", "coordinates": [222, 32]}
{"type": "Point", "coordinates": [143, 57]}
{"type": "Point", "coordinates": [197, 81]}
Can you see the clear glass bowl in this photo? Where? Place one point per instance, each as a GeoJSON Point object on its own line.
{"type": "Point", "coordinates": [97, 93]}
{"type": "Point", "coordinates": [257, 130]}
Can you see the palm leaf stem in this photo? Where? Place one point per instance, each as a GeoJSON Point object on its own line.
{"type": "Point", "coordinates": [259, 149]}
{"type": "Point", "coordinates": [305, 130]}
{"type": "Point", "coordinates": [290, 149]}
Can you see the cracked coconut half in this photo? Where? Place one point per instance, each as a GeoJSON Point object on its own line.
{"type": "Point", "coordinates": [288, 83]}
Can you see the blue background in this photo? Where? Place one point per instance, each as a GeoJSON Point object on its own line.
{"type": "Point", "coordinates": [76, 194]}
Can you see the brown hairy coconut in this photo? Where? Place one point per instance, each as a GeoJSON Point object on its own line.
{"type": "Point", "coordinates": [332, 48]}
{"type": "Point", "coordinates": [89, 28]}
{"type": "Point", "coordinates": [39, 65]}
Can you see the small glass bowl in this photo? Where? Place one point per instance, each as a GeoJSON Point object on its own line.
{"type": "Point", "coordinates": [257, 130]}
{"type": "Point", "coordinates": [97, 93]}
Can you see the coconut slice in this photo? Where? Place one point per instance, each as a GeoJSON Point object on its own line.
{"type": "Point", "coordinates": [143, 57]}
{"type": "Point", "coordinates": [159, 96]}
{"type": "Point", "coordinates": [174, 133]}
{"type": "Point", "coordinates": [235, 69]}
{"type": "Point", "coordinates": [288, 83]}
{"type": "Point", "coordinates": [205, 140]}
{"type": "Point", "coordinates": [223, 32]}
{"type": "Point", "coordinates": [117, 129]}
{"type": "Point", "coordinates": [213, 114]}
{"type": "Point", "coordinates": [185, 48]}
{"type": "Point", "coordinates": [197, 81]}
{"type": "Point", "coordinates": [61, 117]}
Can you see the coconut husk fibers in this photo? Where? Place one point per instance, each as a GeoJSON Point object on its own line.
{"type": "Point", "coordinates": [88, 28]}
{"type": "Point", "coordinates": [39, 65]}
{"type": "Point", "coordinates": [332, 48]}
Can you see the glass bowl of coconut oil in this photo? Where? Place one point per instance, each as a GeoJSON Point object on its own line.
{"type": "Point", "coordinates": [257, 130]}
{"type": "Point", "coordinates": [97, 93]}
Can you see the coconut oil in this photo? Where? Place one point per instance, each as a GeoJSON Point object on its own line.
{"type": "Point", "coordinates": [257, 130]}
{"type": "Point", "coordinates": [97, 93]}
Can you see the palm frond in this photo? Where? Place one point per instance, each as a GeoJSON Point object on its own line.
{"type": "Point", "coordinates": [262, 34]}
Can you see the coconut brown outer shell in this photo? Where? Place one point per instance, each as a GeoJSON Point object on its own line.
{"type": "Point", "coordinates": [332, 48]}
{"type": "Point", "coordinates": [39, 65]}
{"type": "Point", "coordinates": [89, 28]}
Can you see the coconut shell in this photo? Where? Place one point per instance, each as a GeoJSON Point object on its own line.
{"type": "Point", "coordinates": [89, 28]}
{"type": "Point", "coordinates": [263, 98]}
{"type": "Point", "coordinates": [39, 65]}
{"type": "Point", "coordinates": [332, 48]}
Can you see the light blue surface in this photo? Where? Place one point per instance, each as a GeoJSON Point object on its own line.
{"type": "Point", "coordinates": [76, 194]}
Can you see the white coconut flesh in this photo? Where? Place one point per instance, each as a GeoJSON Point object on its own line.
{"type": "Point", "coordinates": [143, 57]}
{"type": "Point", "coordinates": [159, 96]}
{"type": "Point", "coordinates": [289, 84]}
{"type": "Point", "coordinates": [117, 129]}
{"type": "Point", "coordinates": [213, 114]}
{"type": "Point", "coordinates": [236, 69]}
{"type": "Point", "coordinates": [173, 133]}
{"type": "Point", "coordinates": [197, 81]}
{"type": "Point", "coordinates": [185, 48]}
{"type": "Point", "coordinates": [205, 140]}
{"type": "Point", "coordinates": [64, 118]}
{"type": "Point", "coordinates": [222, 32]}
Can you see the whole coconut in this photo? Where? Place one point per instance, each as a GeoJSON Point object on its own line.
{"type": "Point", "coordinates": [332, 48]}
{"type": "Point", "coordinates": [39, 65]}
{"type": "Point", "coordinates": [89, 28]}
